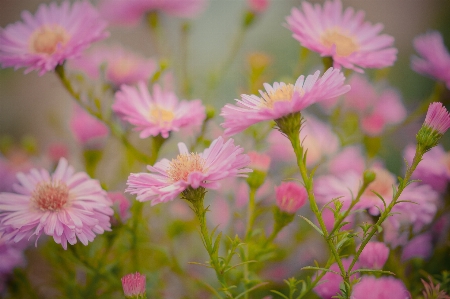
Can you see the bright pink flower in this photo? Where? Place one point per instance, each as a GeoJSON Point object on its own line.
{"type": "Point", "coordinates": [438, 118]}
{"type": "Point", "coordinates": [53, 35]}
{"type": "Point", "coordinates": [259, 161]}
{"type": "Point", "coordinates": [133, 284]}
{"type": "Point", "coordinates": [159, 113]}
{"type": "Point", "coordinates": [169, 178]}
{"type": "Point", "coordinates": [328, 286]}
{"type": "Point", "coordinates": [121, 66]}
{"type": "Point", "coordinates": [290, 197]}
{"type": "Point", "coordinates": [65, 205]}
{"type": "Point", "coordinates": [282, 99]}
{"type": "Point", "coordinates": [344, 36]}
{"type": "Point", "coordinates": [258, 6]}
{"type": "Point", "coordinates": [435, 61]}
{"type": "Point", "coordinates": [374, 255]}
{"type": "Point", "coordinates": [371, 287]}
{"type": "Point", "coordinates": [86, 128]}
{"type": "Point", "coordinates": [130, 12]}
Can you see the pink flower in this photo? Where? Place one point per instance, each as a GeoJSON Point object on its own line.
{"type": "Point", "coordinates": [11, 256]}
{"type": "Point", "coordinates": [169, 178]}
{"type": "Point", "coordinates": [123, 204]}
{"type": "Point", "coordinates": [57, 151]}
{"type": "Point", "coordinates": [290, 197]}
{"type": "Point", "coordinates": [130, 12]}
{"type": "Point", "coordinates": [86, 128]}
{"type": "Point", "coordinates": [258, 6]}
{"type": "Point", "coordinates": [53, 35]}
{"type": "Point", "coordinates": [438, 118]}
{"type": "Point", "coordinates": [420, 246]}
{"type": "Point", "coordinates": [371, 287]}
{"type": "Point", "coordinates": [349, 159]}
{"type": "Point", "coordinates": [133, 285]}
{"type": "Point", "coordinates": [282, 99]}
{"type": "Point", "coordinates": [65, 205]}
{"type": "Point", "coordinates": [344, 36]}
{"type": "Point", "coordinates": [121, 66]}
{"type": "Point", "coordinates": [160, 113]}
{"type": "Point", "coordinates": [330, 282]}
{"type": "Point", "coordinates": [435, 61]}
{"type": "Point", "coordinates": [259, 161]}
{"type": "Point", "coordinates": [374, 255]}
{"type": "Point", "coordinates": [17, 160]}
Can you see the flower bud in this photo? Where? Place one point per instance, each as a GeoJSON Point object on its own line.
{"type": "Point", "coordinates": [435, 125]}
{"type": "Point", "coordinates": [134, 286]}
{"type": "Point", "coordinates": [290, 197]}
{"type": "Point", "coordinates": [260, 164]}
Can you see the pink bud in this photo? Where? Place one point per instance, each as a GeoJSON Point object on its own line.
{"type": "Point", "coordinates": [374, 255]}
{"type": "Point", "coordinates": [133, 284]}
{"type": "Point", "coordinates": [258, 6]}
{"type": "Point", "coordinates": [437, 117]}
{"type": "Point", "coordinates": [259, 161]}
{"type": "Point", "coordinates": [290, 197]}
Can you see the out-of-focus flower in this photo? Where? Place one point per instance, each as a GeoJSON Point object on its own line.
{"type": "Point", "coordinates": [130, 12]}
{"type": "Point", "coordinates": [434, 169]}
{"type": "Point", "coordinates": [134, 286]}
{"type": "Point", "coordinates": [374, 255]}
{"type": "Point", "coordinates": [56, 151]}
{"type": "Point", "coordinates": [349, 159]}
{"type": "Point", "coordinates": [260, 164]}
{"type": "Point", "coordinates": [282, 99]}
{"type": "Point", "coordinates": [11, 255]}
{"type": "Point", "coordinates": [371, 287]}
{"type": "Point", "coordinates": [53, 35]}
{"type": "Point", "coordinates": [420, 246]}
{"type": "Point", "coordinates": [123, 204]}
{"type": "Point", "coordinates": [290, 197]}
{"type": "Point", "coordinates": [432, 291]}
{"type": "Point", "coordinates": [436, 123]}
{"type": "Point", "coordinates": [87, 129]}
{"type": "Point", "coordinates": [344, 36]}
{"type": "Point", "coordinates": [169, 178]}
{"type": "Point", "coordinates": [157, 113]}
{"type": "Point", "coordinates": [435, 60]}
{"type": "Point", "coordinates": [15, 161]}
{"type": "Point", "coordinates": [65, 205]}
{"type": "Point", "coordinates": [328, 286]}
{"type": "Point", "coordinates": [258, 6]}
{"type": "Point", "coordinates": [121, 66]}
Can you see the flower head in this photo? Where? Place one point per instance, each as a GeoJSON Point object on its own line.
{"type": "Point", "coordinates": [371, 287]}
{"type": "Point", "coordinates": [134, 285]}
{"type": "Point", "coordinates": [86, 128]}
{"type": "Point", "coordinates": [436, 123]}
{"type": "Point", "coordinates": [328, 287]}
{"type": "Point", "coordinates": [53, 35]}
{"type": "Point", "coordinates": [435, 60]}
{"type": "Point", "coordinates": [169, 178]}
{"type": "Point", "coordinates": [65, 205]}
{"type": "Point", "coordinates": [374, 255]}
{"type": "Point", "coordinates": [290, 197]}
{"type": "Point", "coordinates": [282, 99]}
{"type": "Point", "coordinates": [344, 36]}
{"type": "Point", "coordinates": [157, 113]}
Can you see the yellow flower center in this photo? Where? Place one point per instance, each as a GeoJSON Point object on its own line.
{"type": "Point", "coordinates": [183, 165]}
{"type": "Point", "coordinates": [345, 44]}
{"type": "Point", "coordinates": [48, 38]}
{"type": "Point", "coordinates": [50, 196]}
{"type": "Point", "coordinates": [160, 115]}
{"type": "Point", "coordinates": [282, 94]}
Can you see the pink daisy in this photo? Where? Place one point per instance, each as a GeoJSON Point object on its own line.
{"type": "Point", "coordinates": [371, 287]}
{"type": "Point", "coordinates": [54, 34]}
{"type": "Point", "coordinates": [435, 60]}
{"type": "Point", "coordinates": [131, 11]}
{"type": "Point", "coordinates": [282, 99]}
{"type": "Point", "coordinates": [86, 128]}
{"type": "Point", "coordinates": [342, 35]}
{"type": "Point", "coordinates": [169, 178]}
{"type": "Point", "coordinates": [159, 113]}
{"type": "Point", "coordinates": [65, 205]}
{"type": "Point", "coordinates": [134, 285]}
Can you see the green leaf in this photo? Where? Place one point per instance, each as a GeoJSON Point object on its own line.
{"type": "Point", "coordinates": [251, 289]}
{"type": "Point", "coordinates": [319, 269]}
{"type": "Point", "coordinates": [313, 225]}
{"type": "Point", "coordinates": [372, 271]}
{"type": "Point", "coordinates": [279, 294]}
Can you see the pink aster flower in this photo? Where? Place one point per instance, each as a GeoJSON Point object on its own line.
{"type": "Point", "coordinates": [65, 205]}
{"type": "Point", "coordinates": [420, 246]}
{"type": "Point", "coordinates": [438, 118]}
{"type": "Point", "coordinates": [374, 255]}
{"type": "Point", "coordinates": [86, 128]}
{"type": "Point", "coordinates": [11, 255]}
{"type": "Point", "coordinates": [53, 35]}
{"type": "Point", "coordinates": [282, 99]}
{"type": "Point", "coordinates": [258, 6]}
{"type": "Point", "coordinates": [159, 113]}
{"type": "Point", "coordinates": [169, 178]}
{"type": "Point", "coordinates": [329, 285]}
{"type": "Point", "coordinates": [129, 12]}
{"type": "Point", "coordinates": [121, 66]}
{"type": "Point", "coordinates": [344, 36]}
{"type": "Point", "coordinates": [435, 60]}
{"type": "Point", "coordinates": [371, 287]}
{"type": "Point", "coordinates": [134, 285]}
{"type": "Point", "coordinates": [290, 197]}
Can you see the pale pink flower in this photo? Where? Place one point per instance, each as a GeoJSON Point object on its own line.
{"type": "Point", "coordinates": [65, 205]}
{"type": "Point", "coordinates": [349, 159]}
{"type": "Point", "coordinates": [123, 204]}
{"type": "Point", "coordinates": [11, 255]}
{"type": "Point", "coordinates": [290, 197]}
{"type": "Point", "coordinates": [374, 255]}
{"type": "Point", "coordinates": [344, 36]}
{"type": "Point", "coordinates": [169, 178]}
{"type": "Point", "coordinates": [371, 287]}
{"type": "Point", "coordinates": [53, 35]}
{"type": "Point", "coordinates": [437, 118]}
{"type": "Point", "coordinates": [259, 161]}
{"type": "Point", "coordinates": [420, 246]}
{"type": "Point", "coordinates": [282, 99]}
{"type": "Point", "coordinates": [329, 285]}
{"type": "Point", "coordinates": [121, 66]}
{"type": "Point", "coordinates": [435, 60]}
{"type": "Point", "coordinates": [258, 6]}
{"type": "Point", "coordinates": [130, 12]}
{"type": "Point", "coordinates": [86, 129]}
{"type": "Point", "coordinates": [157, 113]}
{"type": "Point", "coordinates": [133, 284]}
{"type": "Point", "coordinates": [15, 161]}
{"type": "Point", "coordinates": [56, 151]}
{"type": "Point", "coordinates": [434, 169]}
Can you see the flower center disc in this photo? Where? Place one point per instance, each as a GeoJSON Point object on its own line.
{"type": "Point", "coordinates": [282, 94]}
{"type": "Point", "coordinates": [50, 196]}
{"type": "Point", "coordinates": [345, 44]}
{"type": "Point", "coordinates": [47, 39]}
{"type": "Point", "coordinates": [161, 116]}
{"type": "Point", "coordinates": [183, 165]}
